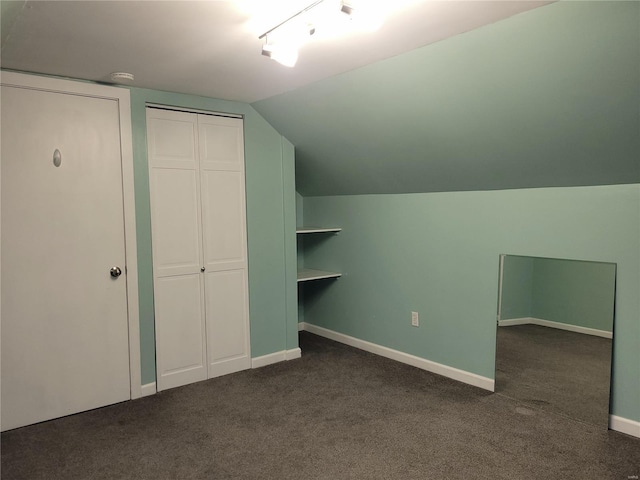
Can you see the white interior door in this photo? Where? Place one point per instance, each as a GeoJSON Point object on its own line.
{"type": "Point", "coordinates": [64, 317]}
{"type": "Point", "coordinates": [174, 182]}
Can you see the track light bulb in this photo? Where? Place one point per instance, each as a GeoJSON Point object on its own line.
{"type": "Point", "coordinates": [283, 54]}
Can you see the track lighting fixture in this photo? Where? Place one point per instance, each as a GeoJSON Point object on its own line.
{"type": "Point", "coordinates": [283, 41]}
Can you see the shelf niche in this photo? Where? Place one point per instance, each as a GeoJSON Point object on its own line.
{"type": "Point", "coordinates": [308, 274]}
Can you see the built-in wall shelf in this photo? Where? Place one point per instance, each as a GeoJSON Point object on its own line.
{"type": "Point", "coordinates": [307, 274]}
{"type": "Point", "coordinates": [303, 230]}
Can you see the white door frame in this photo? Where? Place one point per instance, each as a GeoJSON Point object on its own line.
{"type": "Point", "coordinates": [500, 275]}
{"type": "Point", "coordinates": [122, 97]}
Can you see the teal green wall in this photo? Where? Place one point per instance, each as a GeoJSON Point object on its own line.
{"type": "Point", "coordinates": [9, 12]}
{"type": "Point", "coordinates": [300, 251]}
{"type": "Point", "coordinates": [548, 97]}
{"type": "Point", "coordinates": [438, 254]}
{"type": "Point", "coordinates": [576, 293]}
{"type": "Point", "coordinates": [300, 223]}
{"type": "Point", "coordinates": [517, 287]}
{"type": "Point", "coordinates": [299, 210]}
{"type": "Point", "coordinates": [269, 191]}
{"type": "Point", "coordinates": [291, 254]}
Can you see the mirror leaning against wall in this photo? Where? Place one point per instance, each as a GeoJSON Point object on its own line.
{"type": "Point", "coordinates": [555, 335]}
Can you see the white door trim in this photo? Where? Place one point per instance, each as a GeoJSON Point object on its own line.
{"type": "Point", "coordinates": [122, 97]}
{"type": "Point", "coordinates": [173, 108]}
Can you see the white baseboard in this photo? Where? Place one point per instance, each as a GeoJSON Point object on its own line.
{"type": "Point", "coordinates": [265, 360]}
{"type": "Point", "coordinates": [148, 389]}
{"type": "Point", "coordinates": [276, 357]}
{"type": "Point", "coordinates": [558, 325]}
{"type": "Point", "coordinates": [624, 425]}
{"type": "Point", "coordinates": [293, 354]}
{"type": "Point", "coordinates": [516, 321]}
{"type": "Point", "coordinates": [301, 326]}
{"type": "Point", "coordinates": [438, 368]}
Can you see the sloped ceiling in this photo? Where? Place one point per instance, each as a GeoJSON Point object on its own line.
{"type": "Point", "coordinates": [550, 97]}
{"type": "Point", "coordinates": [211, 48]}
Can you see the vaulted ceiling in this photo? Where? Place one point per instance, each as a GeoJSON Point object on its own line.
{"type": "Point", "coordinates": [211, 48]}
{"type": "Point", "coordinates": [448, 95]}
{"type": "Point", "coordinates": [550, 97]}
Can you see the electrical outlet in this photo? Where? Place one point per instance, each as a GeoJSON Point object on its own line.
{"type": "Point", "coordinates": [415, 319]}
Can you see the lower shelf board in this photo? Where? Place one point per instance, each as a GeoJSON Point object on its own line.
{"type": "Point", "coordinates": [307, 274]}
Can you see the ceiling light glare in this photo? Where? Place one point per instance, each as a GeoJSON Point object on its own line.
{"type": "Point", "coordinates": [347, 17]}
{"type": "Point", "coordinates": [286, 55]}
{"type": "Point", "coordinates": [295, 32]}
{"type": "Point", "coordinates": [331, 19]}
{"type": "Point", "coordinates": [364, 18]}
{"type": "Point", "coordinates": [367, 22]}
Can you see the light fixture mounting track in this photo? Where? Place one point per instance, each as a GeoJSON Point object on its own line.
{"type": "Point", "coordinates": [291, 34]}
{"type": "Point", "coordinates": [304, 10]}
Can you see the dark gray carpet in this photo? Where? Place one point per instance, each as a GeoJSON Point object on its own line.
{"type": "Point", "coordinates": [337, 413]}
{"type": "Point", "coordinates": [561, 372]}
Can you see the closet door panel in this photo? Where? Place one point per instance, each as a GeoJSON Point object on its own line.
{"type": "Point", "coordinates": [227, 322]}
{"type": "Point", "coordinates": [223, 220]}
{"type": "Point", "coordinates": [172, 139]}
{"type": "Point", "coordinates": [176, 235]}
{"type": "Point", "coordinates": [174, 184]}
{"type": "Point", "coordinates": [221, 143]}
{"type": "Point", "coordinates": [180, 331]}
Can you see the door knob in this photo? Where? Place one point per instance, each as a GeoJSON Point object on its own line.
{"type": "Point", "coordinates": [115, 272]}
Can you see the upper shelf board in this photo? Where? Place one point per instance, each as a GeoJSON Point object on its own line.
{"type": "Point", "coordinates": [307, 274]}
{"type": "Point", "coordinates": [318, 230]}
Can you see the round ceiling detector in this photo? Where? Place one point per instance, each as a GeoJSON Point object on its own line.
{"type": "Point", "coordinates": [121, 77]}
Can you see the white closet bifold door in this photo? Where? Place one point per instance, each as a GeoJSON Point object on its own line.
{"type": "Point", "coordinates": [174, 184]}
{"type": "Point", "coordinates": [221, 144]}
{"type": "Point", "coordinates": [196, 165]}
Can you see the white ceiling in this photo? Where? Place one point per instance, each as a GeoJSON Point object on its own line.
{"type": "Point", "coordinates": [211, 48]}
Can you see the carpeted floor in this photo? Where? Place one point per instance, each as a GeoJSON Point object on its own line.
{"type": "Point", "coordinates": [562, 372]}
{"type": "Point", "coordinates": [336, 413]}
